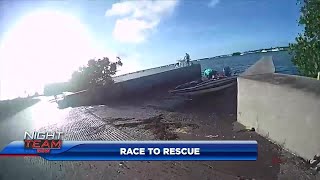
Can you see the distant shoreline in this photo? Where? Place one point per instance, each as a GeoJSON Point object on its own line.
{"type": "Point", "coordinates": [219, 56]}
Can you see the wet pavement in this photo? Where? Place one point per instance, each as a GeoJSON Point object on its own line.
{"type": "Point", "coordinates": [76, 123]}
{"type": "Point", "coordinates": [41, 114]}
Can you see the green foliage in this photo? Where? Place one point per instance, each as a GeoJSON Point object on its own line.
{"type": "Point", "coordinates": [306, 49]}
{"type": "Point", "coordinates": [96, 73]}
{"type": "Point", "coordinates": [236, 53]}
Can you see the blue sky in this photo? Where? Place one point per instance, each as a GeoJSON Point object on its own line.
{"type": "Point", "coordinates": [149, 33]}
{"type": "Point", "coordinates": [188, 26]}
{"type": "Point", "coordinates": [204, 29]}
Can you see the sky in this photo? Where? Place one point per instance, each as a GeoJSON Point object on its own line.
{"type": "Point", "coordinates": [45, 41]}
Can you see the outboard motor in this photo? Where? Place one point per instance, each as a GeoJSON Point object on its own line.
{"type": "Point", "coordinates": [227, 71]}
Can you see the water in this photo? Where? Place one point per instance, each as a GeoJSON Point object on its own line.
{"type": "Point", "coordinates": [281, 60]}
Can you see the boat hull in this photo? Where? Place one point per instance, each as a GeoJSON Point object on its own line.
{"type": "Point", "coordinates": [205, 91]}
{"type": "Point", "coordinates": [206, 87]}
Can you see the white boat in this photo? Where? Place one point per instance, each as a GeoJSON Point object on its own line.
{"type": "Point", "coordinates": [182, 63]}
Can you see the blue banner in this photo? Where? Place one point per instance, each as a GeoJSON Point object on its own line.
{"type": "Point", "coordinates": [142, 151]}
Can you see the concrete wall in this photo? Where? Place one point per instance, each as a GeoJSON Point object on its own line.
{"type": "Point", "coordinates": [135, 87]}
{"type": "Point", "coordinates": [284, 108]}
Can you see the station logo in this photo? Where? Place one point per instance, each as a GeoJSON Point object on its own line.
{"type": "Point", "coordinates": [43, 142]}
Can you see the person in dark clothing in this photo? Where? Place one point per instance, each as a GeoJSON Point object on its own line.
{"type": "Point", "coordinates": [227, 71]}
{"type": "Point", "coordinates": [187, 58]}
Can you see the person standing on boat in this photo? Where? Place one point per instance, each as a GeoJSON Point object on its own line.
{"type": "Point", "coordinates": [187, 58]}
{"type": "Point", "coordinates": [56, 98]}
{"type": "Point", "coordinates": [227, 71]}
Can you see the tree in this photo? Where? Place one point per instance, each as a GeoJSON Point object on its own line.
{"type": "Point", "coordinates": [236, 54]}
{"type": "Point", "coordinates": [96, 73]}
{"type": "Point", "coordinates": [306, 49]}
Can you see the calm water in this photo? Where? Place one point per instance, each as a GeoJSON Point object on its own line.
{"type": "Point", "coordinates": [281, 60]}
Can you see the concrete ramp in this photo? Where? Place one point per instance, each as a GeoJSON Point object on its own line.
{"type": "Point", "coordinates": [263, 66]}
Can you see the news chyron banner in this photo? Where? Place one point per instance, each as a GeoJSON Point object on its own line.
{"type": "Point", "coordinates": [51, 147]}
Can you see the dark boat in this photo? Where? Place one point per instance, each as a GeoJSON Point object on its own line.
{"type": "Point", "coordinates": [263, 66]}
{"type": "Point", "coordinates": [203, 87]}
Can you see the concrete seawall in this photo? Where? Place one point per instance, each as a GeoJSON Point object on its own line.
{"type": "Point", "coordinates": [284, 108]}
{"type": "Point", "coordinates": [134, 87]}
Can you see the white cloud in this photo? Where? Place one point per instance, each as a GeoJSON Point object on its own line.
{"type": "Point", "coordinates": [137, 19]}
{"type": "Point", "coordinates": [213, 3]}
